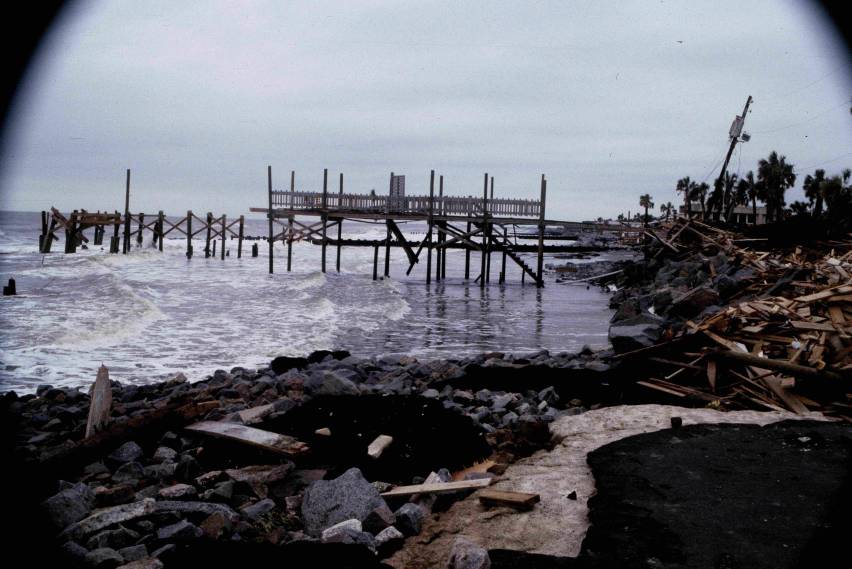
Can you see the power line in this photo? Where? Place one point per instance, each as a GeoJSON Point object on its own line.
{"type": "Point", "coordinates": [806, 168]}
{"type": "Point", "coordinates": [800, 89]}
{"type": "Point", "coordinates": [814, 117]}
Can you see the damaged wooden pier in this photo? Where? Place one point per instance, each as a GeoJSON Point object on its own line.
{"type": "Point", "coordinates": [474, 224]}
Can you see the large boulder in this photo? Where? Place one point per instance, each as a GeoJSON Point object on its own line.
{"type": "Point", "coordinates": [331, 383]}
{"type": "Point", "coordinates": [634, 333]}
{"type": "Point", "coordinates": [328, 502]}
{"type": "Point", "coordinates": [694, 302]}
{"type": "Point", "coordinates": [467, 555]}
{"type": "Point", "coordinates": [69, 506]}
{"type": "Point", "coordinates": [282, 364]}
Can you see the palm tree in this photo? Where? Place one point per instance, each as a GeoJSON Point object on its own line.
{"type": "Point", "coordinates": [645, 201]}
{"type": "Point", "coordinates": [685, 185]}
{"type": "Point", "coordinates": [777, 176]}
{"type": "Point", "coordinates": [668, 208]}
{"type": "Point", "coordinates": [811, 186]}
{"type": "Point", "coordinates": [699, 192]}
{"type": "Point", "coordinates": [729, 197]}
{"type": "Point", "coordinates": [716, 198]}
{"type": "Point", "coordinates": [750, 190]}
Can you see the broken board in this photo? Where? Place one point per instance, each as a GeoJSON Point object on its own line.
{"type": "Point", "coordinates": [273, 442]}
{"type": "Point", "coordinates": [517, 500]}
{"type": "Point", "coordinates": [437, 487]}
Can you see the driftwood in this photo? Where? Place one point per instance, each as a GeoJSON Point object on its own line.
{"type": "Point", "coordinates": [378, 446]}
{"type": "Point", "coordinates": [517, 500]}
{"type": "Point", "coordinates": [101, 403]}
{"type": "Point", "coordinates": [272, 442]}
{"type": "Point", "coordinates": [437, 487]}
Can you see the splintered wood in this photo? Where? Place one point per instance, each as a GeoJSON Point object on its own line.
{"type": "Point", "coordinates": [272, 442]}
{"type": "Point", "coordinates": [101, 404]}
{"type": "Point", "coordinates": [783, 342]}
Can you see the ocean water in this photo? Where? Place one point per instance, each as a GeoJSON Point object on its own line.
{"type": "Point", "coordinates": [148, 315]}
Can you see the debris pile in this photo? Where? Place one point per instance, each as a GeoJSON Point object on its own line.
{"type": "Point", "coordinates": [715, 319]}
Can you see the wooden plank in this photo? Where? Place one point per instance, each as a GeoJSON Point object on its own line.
{"type": "Point", "coordinates": [820, 327]}
{"type": "Point", "coordinates": [661, 388]}
{"type": "Point", "coordinates": [790, 400]}
{"type": "Point", "coordinates": [437, 487]}
{"type": "Point", "coordinates": [273, 442]}
{"type": "Point", "coordinates": [517, 500]}
{"type": "Point", "coordinates": [378, 446]}
{"type": "Point", "coordinates": [101, 403]}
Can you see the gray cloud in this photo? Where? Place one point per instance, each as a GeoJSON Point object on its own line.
{"type": "Point", "coordinates": [197, 98]}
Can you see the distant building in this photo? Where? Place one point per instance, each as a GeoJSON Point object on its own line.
{"type": "Point", "coordinates": [742, 214]}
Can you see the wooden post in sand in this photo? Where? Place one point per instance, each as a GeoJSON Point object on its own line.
{"type": "Point", "coordinates": [429, 227]}
{"type": "Point", "coordinates": [339, 222]}
{"type": "Point", "coordinates": [113, 246]}
{"type": "Point", "coordinates": [101, 403]}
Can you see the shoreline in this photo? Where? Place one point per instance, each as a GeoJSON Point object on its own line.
{"type": "Point", "coordinates": [177, 493]}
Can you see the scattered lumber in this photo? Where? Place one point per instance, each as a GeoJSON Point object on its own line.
{"type": "Point", "coordinates": [272, 442]}
{"type": "Point", "coordinates": [437, 487]}
{"type": "Point", "coordinates": [517, 500]}
{"type": "Point", "coordinates": [784, 341]}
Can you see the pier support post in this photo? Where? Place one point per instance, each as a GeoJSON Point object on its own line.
{"type": "Point", "coordinates": [290, 221]}
{"type": "Point", "coordinates": [43, 237]}
{"type": "Point", "coordinates": [339, 222]}
{"type": "Point", "coordinates": [484, 253]}
{"type": "Point", "coordinates": [429, 228]}
{"type": "Point", "coordinates": [224, 231]}
{"type": "Point", "coordinates": [324, 214]}
{"type": "Point", "coordinates": [540, 271]}
{"type": "Point", "coordinates": [388, 236]}
{"type": "Point", "coordinates": [116, 227]}
{"type": "Point", "coordinates": [269, 215]}
{"type": "Point", "coordinates": [503, 264]}
{"type": "Point", "coordinates": [376, 261]}
{"type": "Point", "coordinates": [189, 234]}
{"type": "Point", "coordinates": [240, 238]}
{"type": "Point", "coordinates": [126, 246]}
{"type": "Point", "coordinates": [141, 227]}
{"type": "Point", "coordinates": [160, 229]}
{"type": "Point", "coordinates": [207, 240]}
{"type": "Point", "coordinates": [488, 229]}
{"type": "Point", "coordinates": [467, 255]}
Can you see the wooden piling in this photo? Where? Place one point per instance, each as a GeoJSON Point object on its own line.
{"type": "Point", "coordinates": [324, 214]}
{"type": "Point", "coordinates": [388, 237]}
{"type": "Point", "coordinates": [429, 227]}
{"type": "Point", "coordinates": [160, 229]}
{"type": "Point", "coordinates": [290, 221]}
{"type": "Point", "coordinates": [207, 239]}
{"type": "Point", "coordinates": [503, 264]}
{"type": "Point", "coordinates": [270, 216]}
{"type": "Point", "coordinates": [540, 271]}
{"type": "Point", "coordinates": [189, 234]}
{"type": "Point", "coordinates": [240, 238]}
{"type": "Point", "coordinates": [376, 261]}
{"type": "Point", "coordinates": [224, 230]}
{"type": "Point", "coordinates": [113, 246]}
{"type": "Point", "coordinates": [126, 246]}
{"type": "Point", "coordinates": [339, 225]}
{"type": "Point", "coordinates": [484, 253]}
{"type": "Point", "coordinates": [488, 228]}
{"type": "Point", "coordinates": [141, 227]}
{"type": "Point", "coordinates": [43, 237]}
{"type": "Point", "coordinates": [467, 256]}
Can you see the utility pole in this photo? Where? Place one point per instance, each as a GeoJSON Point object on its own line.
{"type": "Point", "coordinates": [734, 133]}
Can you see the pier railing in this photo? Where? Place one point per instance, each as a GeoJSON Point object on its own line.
{"type": "Point", "coordinates": [439, 205]}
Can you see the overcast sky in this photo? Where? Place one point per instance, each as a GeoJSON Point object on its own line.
{"type": "Point", "coordinates": [609, 99]}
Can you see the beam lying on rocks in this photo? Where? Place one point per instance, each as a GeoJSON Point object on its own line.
{"type": "Point", "coordinates": [437, 488]}
{"type": "Point", "coordinates": [272, 442]}
{"type": "Point", "coordinates": [517, 500]}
